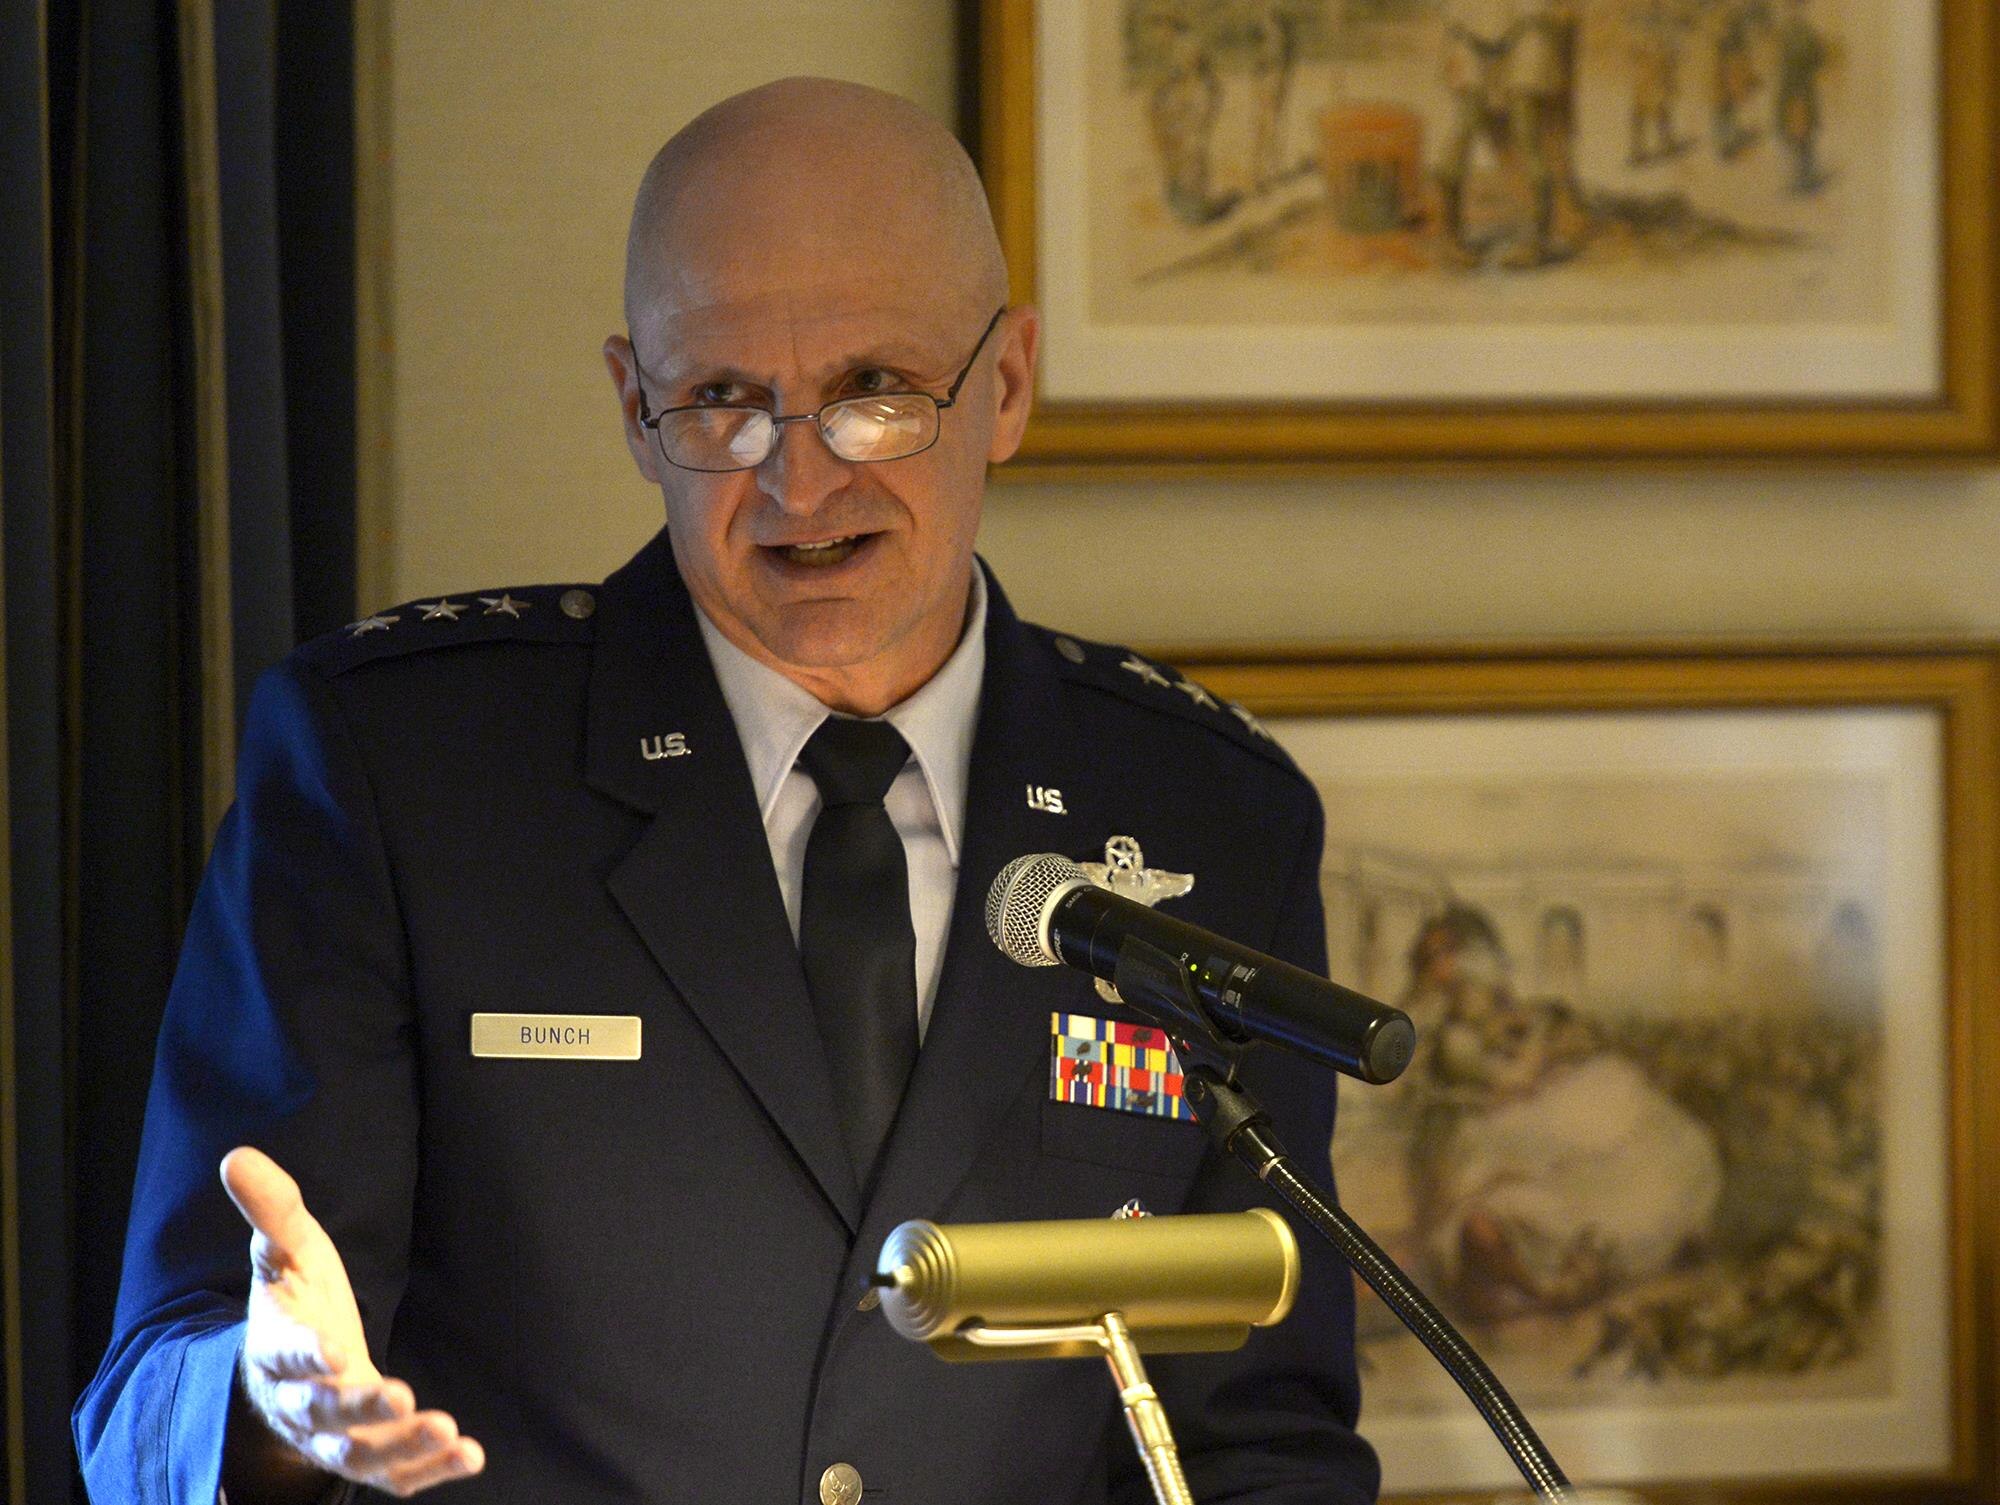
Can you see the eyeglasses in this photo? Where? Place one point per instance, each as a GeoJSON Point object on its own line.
{"type": "Point", "coordinates": [880, 426]}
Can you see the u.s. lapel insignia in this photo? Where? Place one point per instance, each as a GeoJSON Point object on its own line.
{"type": "Point", "coordinates": [1125, 873]}
{"type": "Point", "coordinates": [1106, 1063]}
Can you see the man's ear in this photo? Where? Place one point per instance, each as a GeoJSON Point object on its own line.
{"type": "Point", "coordinates": [624, 369]}
{"type": "Point", "coordinates": [1014, 374]}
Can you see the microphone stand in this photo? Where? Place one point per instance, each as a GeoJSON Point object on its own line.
{"type": "Point", "coordinates": [1147, 977]}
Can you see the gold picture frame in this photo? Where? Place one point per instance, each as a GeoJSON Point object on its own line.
{"type": "Point", "coordinates": [1115, 410]}
{"type": "Point", "coordinates": [1597, 781]}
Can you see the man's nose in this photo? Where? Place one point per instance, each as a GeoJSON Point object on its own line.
{"type": "Point", "coordinates": [801, 472]}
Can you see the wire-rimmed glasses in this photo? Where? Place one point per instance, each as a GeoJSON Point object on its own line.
{"type": "Point", "coordinates": [718, 437]}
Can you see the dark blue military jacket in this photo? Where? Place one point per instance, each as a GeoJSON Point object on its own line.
{"type": "Point", "coordinates": [644, 1280]}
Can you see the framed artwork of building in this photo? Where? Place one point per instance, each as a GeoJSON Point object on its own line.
{"type": "Point", "coordinates": [1311, 230]}
{"type": "Point", "coordinates": [1699, 1146]}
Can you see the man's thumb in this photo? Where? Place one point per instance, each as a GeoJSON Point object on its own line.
{"type": "Point", "coordinates": [268, 1198]}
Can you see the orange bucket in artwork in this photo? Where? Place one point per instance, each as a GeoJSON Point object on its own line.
{"type": "Point", "coordinates": [1373, 160]}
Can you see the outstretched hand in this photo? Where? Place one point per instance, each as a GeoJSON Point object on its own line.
{"type": "Point", "coordinates": [306, 1371]}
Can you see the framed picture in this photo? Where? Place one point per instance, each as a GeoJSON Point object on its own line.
{"type": "Point", "coordinates": [1309, 230]}
{"type": "Point", "coordinates": [1702, 1140]}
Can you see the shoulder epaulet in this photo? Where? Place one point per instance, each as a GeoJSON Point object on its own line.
{"type": "Point", "coordinates": [521, 613]}
{"type": "Point", "coordinates": [1129, 676]}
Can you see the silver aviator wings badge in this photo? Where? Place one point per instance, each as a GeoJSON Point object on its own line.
{"type": "Point", "coordinates": [1124, 872]}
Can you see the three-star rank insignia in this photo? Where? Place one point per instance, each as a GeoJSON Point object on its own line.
{"type": "Point", "coordinates": [444, 609]}
{"type": "Point", "coordinates": [530, 614]}
{"type": "Point", "coordinates": [1151, 674]}
{"type": "Point", "coordinates": [1124, 872]}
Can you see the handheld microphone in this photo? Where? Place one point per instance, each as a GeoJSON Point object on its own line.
{"type": "Point", "coordinates": [1043, 910]}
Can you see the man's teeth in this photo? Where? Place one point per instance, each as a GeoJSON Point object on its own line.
{"type": "Point", "coordinates": [831, 551]}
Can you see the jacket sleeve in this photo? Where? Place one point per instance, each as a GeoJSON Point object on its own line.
{"type": "Point", "coordinates": [1274, 1422]}
{"type": "Point", "coordinates": [288, 1027]}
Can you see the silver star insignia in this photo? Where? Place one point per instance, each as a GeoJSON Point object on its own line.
{"type": "Point", "coordinates": [1249, 721]}
{"type": "Point", "coordinates": [1124, 872]}
{"type": "Point", "coordinates": [377, 623]}
{"type": "Point", "coordinates": [1196, 693]}
{"type": "Point", "coordinates": [432, 610]}
{"type": "Point", "coordinates": [503, 605]}
{"type": "Point", "coordinates": [1147, 673]}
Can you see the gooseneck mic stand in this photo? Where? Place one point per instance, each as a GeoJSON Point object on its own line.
{"type": "Point", "coordinates": [1237, 1123]}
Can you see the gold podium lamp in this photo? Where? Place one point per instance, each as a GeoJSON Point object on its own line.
{"type": "Point", "coordinates": [1072, 1289]}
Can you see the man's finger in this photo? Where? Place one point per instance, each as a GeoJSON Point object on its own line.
{"type": "Point", "coordinates": [315, 1406]}
{"type": "Point", "coordinates": [369, 1451]}
{"type": "Point", "coordinates": [461, 1459]}
{"type": "Point", "coordinates": [268, 1199]}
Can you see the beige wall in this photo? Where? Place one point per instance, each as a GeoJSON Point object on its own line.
{"type": "Point", "coordinates": [515, 132]}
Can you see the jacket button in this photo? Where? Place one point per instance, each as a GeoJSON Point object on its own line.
{"type": "Point", "coordinates": [870, 1299]}
{"type": "Point", "coordinates": [840, 1485]}
{"type": "Point", "coordinates": [578, 604]}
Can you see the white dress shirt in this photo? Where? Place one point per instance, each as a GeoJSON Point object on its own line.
{"type": "Point", "coordinates": [775, 717]}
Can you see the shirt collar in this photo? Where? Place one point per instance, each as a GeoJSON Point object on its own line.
{"type": "Point", "coordinates": [774, 717]}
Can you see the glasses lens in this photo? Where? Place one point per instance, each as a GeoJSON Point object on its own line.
{"type": "Point", "coordinates": [717, 438]}
{"type": "Point", "coordinates": [880, 428]}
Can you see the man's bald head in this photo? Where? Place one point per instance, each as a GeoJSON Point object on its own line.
{"type": "Point", "coordinates": [819, 248]}
{"type": "Point", "coordinates": [804, 179]}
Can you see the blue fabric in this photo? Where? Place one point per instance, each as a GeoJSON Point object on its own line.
{"type": "Point", "coordinates": [643, 1280]}
{"type": "Point", "coordinates": [162, 1394]}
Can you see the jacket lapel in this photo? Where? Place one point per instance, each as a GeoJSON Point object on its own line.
{"type": "Point", "coordinates": [989, 1024]}
{"type": "Point", "coordinates": [698, 885]}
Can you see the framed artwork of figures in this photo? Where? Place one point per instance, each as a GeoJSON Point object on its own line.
{"type": "Point", "coordinates": [1312, 230]}
{"type": "Point", "coordinates": [1699, 1146]}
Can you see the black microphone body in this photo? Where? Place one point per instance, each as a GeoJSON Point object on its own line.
{"type": "Point", "coordinates": [1243, 995]}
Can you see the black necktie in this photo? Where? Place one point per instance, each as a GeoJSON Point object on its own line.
{"type": "Point", "coordinates": [855, 935]}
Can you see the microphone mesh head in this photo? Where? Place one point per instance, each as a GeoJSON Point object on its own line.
{"type": "Point", "coordinates": [1018, 901]}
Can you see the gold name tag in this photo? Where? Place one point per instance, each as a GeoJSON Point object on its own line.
{"type": "Point", "coordinates": [557, 1037]}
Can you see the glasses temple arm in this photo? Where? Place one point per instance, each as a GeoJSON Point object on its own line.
{"type": "Point", "coordinates": [647, 418]}
{"type": "Point", "coordinates": [951, 392]}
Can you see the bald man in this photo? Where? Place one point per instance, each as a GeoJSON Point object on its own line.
{"type": "Point", "coordinates": [604, 966]}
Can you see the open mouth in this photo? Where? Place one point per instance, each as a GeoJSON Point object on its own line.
{"type": "Point", "coordinates": [825, 553]}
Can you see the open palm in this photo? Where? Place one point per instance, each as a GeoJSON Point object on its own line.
{"type": "Point", "coordinates": [306, 1369]}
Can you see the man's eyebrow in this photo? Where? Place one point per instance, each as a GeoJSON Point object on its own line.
{"type": "Point", "coordinates": [893, 352]}
{"type": "Point", "coordinates": [682, 369]}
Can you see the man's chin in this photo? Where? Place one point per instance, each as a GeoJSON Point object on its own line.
{"type": "Point", "coordinates": [824, 635]}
